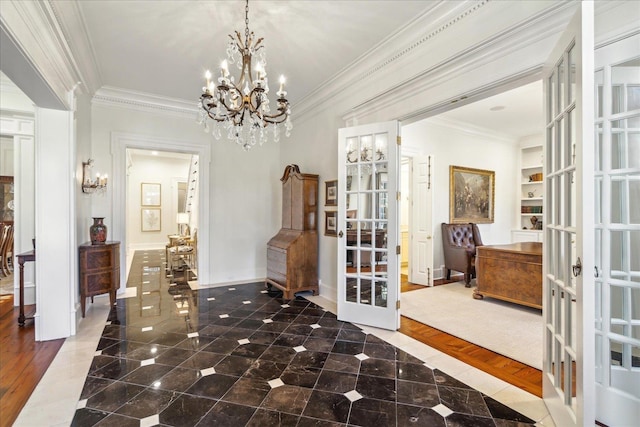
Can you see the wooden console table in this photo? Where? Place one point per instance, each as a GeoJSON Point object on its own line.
{"type": "Point", "coordinates": [22, 258]}
{"type": "Point", "coordinates": [99, 271]}
{"type": "Point", "coordinates": [510, 272]}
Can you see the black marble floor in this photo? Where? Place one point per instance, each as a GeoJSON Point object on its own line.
{"type": "Point", "coordinates": [236, 356]}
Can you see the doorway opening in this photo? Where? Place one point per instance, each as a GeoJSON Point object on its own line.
{"type": "Point", "coordinates": [488, 134]}
{"type": "Point", "coordinates": [161, 193]}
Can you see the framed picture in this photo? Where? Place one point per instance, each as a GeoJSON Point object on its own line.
{"type": "Point", "coordinates": [150, 194]}
{"type": "Point", "coordinates": [471, 195]}
{"type": "Point", "coordinates": [331, 193]}
{"type": "Point", "coordinates": [330, 223]}
{"type": "Point", "coordinates": [151, 219]}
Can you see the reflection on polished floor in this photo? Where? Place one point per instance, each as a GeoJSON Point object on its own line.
{"type": "Point", "coordinates": [235, 356]}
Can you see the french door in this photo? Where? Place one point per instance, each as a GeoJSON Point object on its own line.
{"type": "Point", "coordinates": [568, 283]}
{"type": "Point", "coordinates": [617, 225]}
{"type": "Point", "coordinates": [367, 227]}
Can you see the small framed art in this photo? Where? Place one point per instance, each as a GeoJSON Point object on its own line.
{"type": "Point", "coordinates": [330, 223]}
{"type": "Point", "coordinates": [331, 193]}
{"type": "Point", "coordinates": [151, 219]}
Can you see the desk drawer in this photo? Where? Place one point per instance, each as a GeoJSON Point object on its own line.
{"type": "Point", "coordinates": [276, 255]}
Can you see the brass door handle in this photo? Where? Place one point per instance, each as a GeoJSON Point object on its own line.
{"type": "Point", "coordinates": [340, 234]}
{"type": "Point", "coordinates": [577, 268]}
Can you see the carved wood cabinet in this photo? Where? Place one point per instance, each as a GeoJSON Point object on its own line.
{"type": "Point", "coordinates": [99, 271]}
{"type": "Point", "coordinates": [292, 254]}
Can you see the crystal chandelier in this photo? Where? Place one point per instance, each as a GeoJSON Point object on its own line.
{"type": "Point", "coordinates": [241, 108]}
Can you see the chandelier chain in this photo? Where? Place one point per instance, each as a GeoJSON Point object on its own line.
{"type": "Point", "coordinates": [246, 22]}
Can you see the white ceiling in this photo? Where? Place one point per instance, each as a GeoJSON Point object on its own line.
{"type": "Point", "coordinates": [164, 47]}
{"type": "Point", "coordinates": [513, 114]}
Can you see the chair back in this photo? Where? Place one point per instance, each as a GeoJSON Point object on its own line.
{"type": "Point", "coordinates": [461, 235]}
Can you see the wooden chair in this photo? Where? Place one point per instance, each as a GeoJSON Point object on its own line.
{"type": "Point", "coordinates": [184, 250]}
{"type": "Point", "coordinates": [6, 249]}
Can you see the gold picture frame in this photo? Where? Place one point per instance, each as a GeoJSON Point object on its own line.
{"type": "Point", "coordinates": [471, 195]}
{"type": "Point", "coordinates": [150, 219]}
{"type": "Point", "coordinates": [150, 194]}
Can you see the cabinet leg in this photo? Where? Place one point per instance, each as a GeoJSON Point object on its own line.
{"type": "Point", "coordinates": [83, 303]}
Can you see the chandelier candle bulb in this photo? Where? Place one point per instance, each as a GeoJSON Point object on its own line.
{"type": "Point", "coordinates": [282, 80]}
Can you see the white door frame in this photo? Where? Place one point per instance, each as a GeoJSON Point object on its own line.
{"type": "Point", "coordinates": [120, 142]}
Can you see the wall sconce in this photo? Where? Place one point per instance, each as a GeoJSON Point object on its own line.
{"type": "Point", "coordinates": [89, 185]}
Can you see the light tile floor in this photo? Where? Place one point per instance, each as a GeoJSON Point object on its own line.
{"type": "Point", "coordinates": [56, 397]}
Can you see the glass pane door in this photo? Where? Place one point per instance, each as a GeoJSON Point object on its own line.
{"type": "Point", "coordinates": [617, 187]}
{"type": "Point", "coordinates": [568, 227]}
{"type": "Point", "coordinates": [367, 237]}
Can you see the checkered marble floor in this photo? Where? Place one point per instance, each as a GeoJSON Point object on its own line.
{"type": "Point", "coordinates": [236, 356]}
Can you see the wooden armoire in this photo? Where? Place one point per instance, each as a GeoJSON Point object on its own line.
{"type": "Point", "coordinates": [292, 254]}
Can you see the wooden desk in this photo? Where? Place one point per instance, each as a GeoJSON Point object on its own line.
{"type": "Point", "coordinates": [510, 272]}
{"type": "Point", "coordinates": [22, 258]}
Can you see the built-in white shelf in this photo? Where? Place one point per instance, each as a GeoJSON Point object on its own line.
{"type": "Point", "coordinates": [532, 167]}
{"type": "Point", "coordinates": [531, 198]}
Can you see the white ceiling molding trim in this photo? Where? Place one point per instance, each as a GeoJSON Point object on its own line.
{"type": "Point", "coordinates": [139, 101]}
{"type": "Point", "coordinates": [621, 24]}
{"type": "Point", "coordinates": [403, 42]}
{"type": "Point", "coordinates": [33, 29]}
{"type": "Point", "coordinates": [543, 24]}
{"type": "Point", "coordinates": [74, 29]}
{"type": "Point", "coordinates": [499, 46]}
{"type": "Point", "coordinates": [416, 112]}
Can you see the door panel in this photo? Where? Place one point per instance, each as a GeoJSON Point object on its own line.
{"type": "Point", "coordinates": [568, 386]}
{"type": "Point", "coordinates": [368, 264]}
{"type": "Point", "coordinates": [422, 222]}
{"type": "Point", "coordinates": [617, 225]}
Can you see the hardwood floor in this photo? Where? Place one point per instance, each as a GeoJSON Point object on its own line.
{"type": "Point", "coordinates": [23, 361]}
{"type": "Point", "coordinates": [509, 370]}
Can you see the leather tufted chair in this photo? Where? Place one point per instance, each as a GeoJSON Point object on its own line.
{"type": "Point", "coordinates": [459, 242]}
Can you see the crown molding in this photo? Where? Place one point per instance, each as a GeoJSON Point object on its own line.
{"type": "Point", "coordinates": [542, 25]}
{"type": "Point", "coordinates": [73, 28]}
{"type": "Point", "coordinates": [413, 36]}
{"type": "Point", "coordinates": [139, 101]}
{"type": "Point", "coordinates": [538, 27]}
{"type": "Point", "coordinates": [34, 30]}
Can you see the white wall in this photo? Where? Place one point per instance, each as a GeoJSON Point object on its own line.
{"type": "Point", "coordinates": [153, 169]}
{"type": "Point", "coordinates": [451, 146]}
